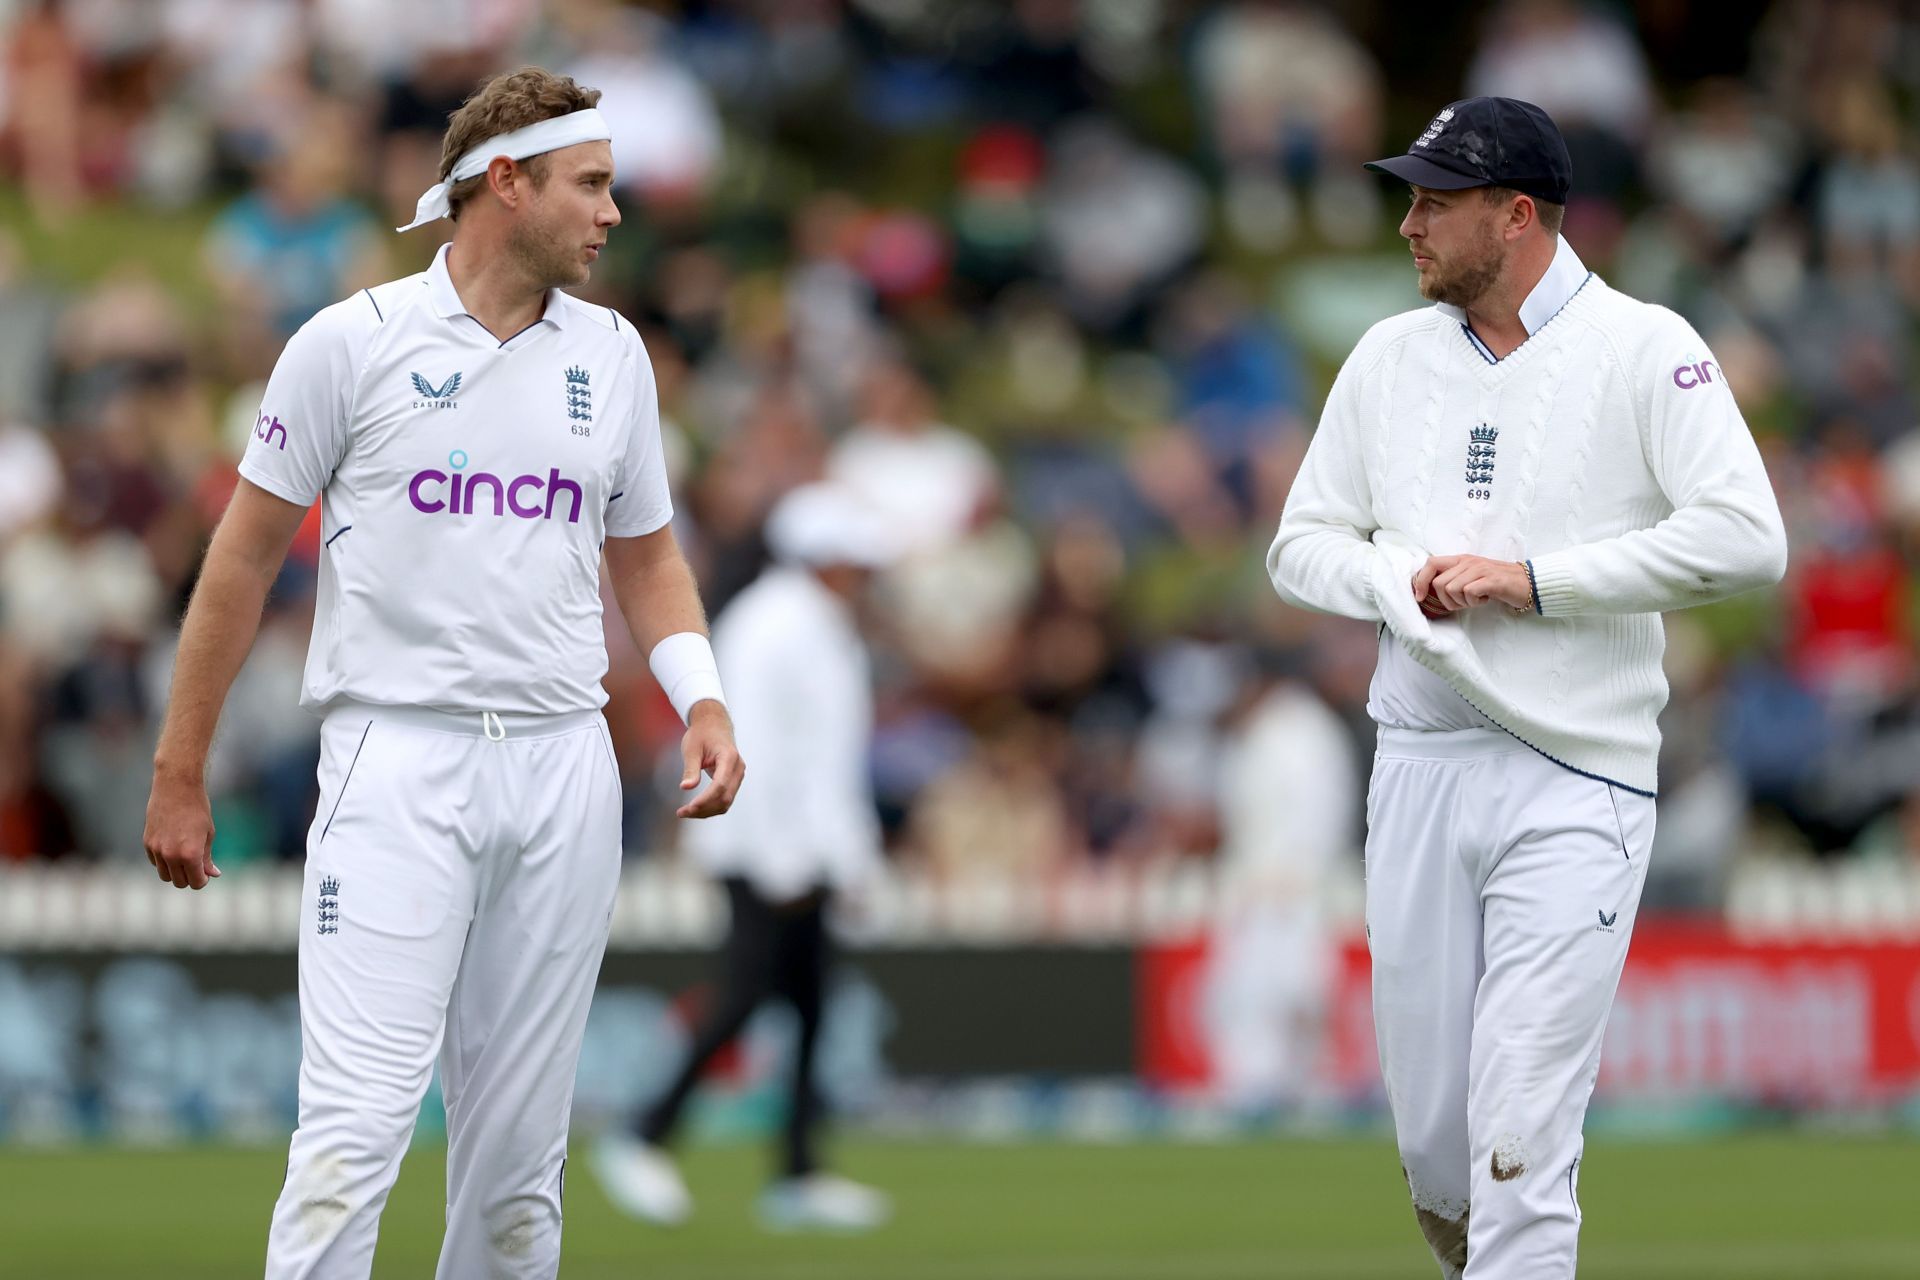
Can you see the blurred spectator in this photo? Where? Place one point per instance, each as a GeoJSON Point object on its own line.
{"type": "Point", "coordinates": [1292, 101]}
{"type": "Point", "coordinates": [830, 305]}
{"type": "Point", "coordinates": [996, 214]}
{"type": "Point", "coordinates": [1722, 163]}
{"type": "Point", "coordinates": [932, 483]}
{"type": "Point", "coordinates": [297, 243]}
{"type": "Point", "coordinates": [1868, 197]}
{"type": "Point", "coordinates": [997, 813]}
{"type": "Point", "coordinates": [1193, 685]}
{"type": "Point", "coordinates": [1117, 222]}
{"type": "Point", "coordinates": [1289, 797]}
{"type": "Point", "coordinates": [1582, 65]}
{"type": "Point", "coordinates": [1239, 386]}
{"type": "Point", "coordinates": [44, 87]}
{"type": "Point", "coordinates": [30, 480]}
{"type": "Point", "coordinates": [667, 137]}
{"type": "Point", "coordinates": [1031, 67]}
{"type": "Point", "coordinates": [33, 822]}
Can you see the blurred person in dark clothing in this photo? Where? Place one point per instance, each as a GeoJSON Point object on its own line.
{"type": "Point", "coordinates": [33, 822]}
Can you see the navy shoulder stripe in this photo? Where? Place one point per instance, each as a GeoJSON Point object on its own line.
{"type": "Point", "coordinates": [375, 305]}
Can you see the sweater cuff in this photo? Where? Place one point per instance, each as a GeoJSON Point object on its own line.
{"type": "Point", "coordinates": [1555, 593]}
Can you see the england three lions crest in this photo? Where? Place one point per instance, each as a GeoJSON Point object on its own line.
{"type": "Point", "coordinates": [1482, 443]}
{"type": "Point", "coordinates": [579, 395]}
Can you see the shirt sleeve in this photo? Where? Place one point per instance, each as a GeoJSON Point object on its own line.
{"type": "Point", "coordinates": [640, 502]}
{"type": "Point", "coordinates": [1330, 554]}
{"type": "Point", "coordinates": [1725, 534]}
{"type": "Point", "coordinates": [300, 434]}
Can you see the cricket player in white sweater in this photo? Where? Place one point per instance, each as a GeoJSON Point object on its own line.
{"type": "Point", "coordinates": [1514, 483]}
{"type": "Point", "coordinates": [477, 439]}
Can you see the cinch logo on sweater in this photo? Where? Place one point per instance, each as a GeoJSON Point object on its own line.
{"type": "Point", "coordinates": [1689, 376]}
{"type": "Point", "coordinates": [268, 430]}
{"type": "Point", "coordinates": [460, 491]}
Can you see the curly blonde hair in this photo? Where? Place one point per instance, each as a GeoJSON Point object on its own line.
{"type": "Point", "coordinates": [511, 100]}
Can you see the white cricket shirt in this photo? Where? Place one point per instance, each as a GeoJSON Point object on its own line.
{"type": "Point", "coordinates": [466, 486]}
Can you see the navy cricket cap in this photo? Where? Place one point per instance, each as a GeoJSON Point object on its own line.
{"type": "Point", "coordinates": [1487, 142]}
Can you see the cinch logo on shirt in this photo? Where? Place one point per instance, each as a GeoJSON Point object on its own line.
{"type": "Point", "coordinates": [1689, 376]}
{"type": "Point", "coordinates": [266, 428]}
{"type": "Point", "coordinates": [520, 495]}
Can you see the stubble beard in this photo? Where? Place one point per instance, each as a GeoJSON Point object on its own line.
{"type": "Point", "coordinates": [548, 262]}
{"type": "Point", "coordinates": [1467, 282]}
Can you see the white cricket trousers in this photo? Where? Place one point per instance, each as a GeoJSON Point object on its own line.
{"type": "Point", "coordinates": [1501, 893]}
{"type": "Point", "coordinates": [460, 874]}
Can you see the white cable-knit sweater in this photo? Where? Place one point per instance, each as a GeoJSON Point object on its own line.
{"type": "Point", "coordinates": [1606, 451]}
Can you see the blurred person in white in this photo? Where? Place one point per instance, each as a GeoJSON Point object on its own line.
{"type": "Point", "coordinates": [32, 819]}
{"type": "Point", "coordinates": [389, 42]}
{"type": "Point", "coordinates": [481, 442]}
{"type": "Point", "coordinates": [1583, 65]}
{"type": "Point", "coordinates": [966, 573]}
{"type": "Point", "coordinates": [668, 139]}
{"type": "Point", "coordinates": [1117, 221]}
{"type": "Point", "coordinates": [1722, 163]}
{"type": "Point", "coordinates": [1576, 61]}
{"type": "Point", "coordinates": [805, 832]}
{"type": "Point", "coordinates": [30, 480]}
{"type": "Point", "coordinates": [1292, 99]}
{"type": "Point", "coordinates": [241, 81]}
{"type": "Point", "coordinates": [932, 482]}
{"type": "Point", "coordinates": [1290, 798]}
{"type": "Point", "coordinates": [1194, 683]}
{"type": "Point", "coordinates": [1515, 484]}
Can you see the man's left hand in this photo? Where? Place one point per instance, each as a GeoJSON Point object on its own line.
{"type": "Point", "coordinates": [708, 747]}
{"type": "Point", "coordinates": [1448, 584]}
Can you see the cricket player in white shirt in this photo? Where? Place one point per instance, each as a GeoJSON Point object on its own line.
{"type": "Point", "coordinates": [476, 438]}
{"type": "Point", "coordinates": [791, 648]}
{"type": "Point", "coordinates": [1514, 483]}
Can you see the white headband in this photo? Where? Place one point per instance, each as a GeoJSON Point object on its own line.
{"type": "Point", "coordinates": [535, 139]}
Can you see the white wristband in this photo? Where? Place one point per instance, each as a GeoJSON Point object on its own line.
{"type": "Point", "coordinates": [683, 664]}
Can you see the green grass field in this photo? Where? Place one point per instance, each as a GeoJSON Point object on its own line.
{"type": "Point", "coordinates": [1748, 1208]}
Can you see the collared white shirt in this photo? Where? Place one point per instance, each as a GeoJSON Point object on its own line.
{"type": "Point", "coordinates": [466, 484]}
{"type": "Point", "coordinates": [1404, 694]}
{"type": "Point", "coordinates": [1564, 277]}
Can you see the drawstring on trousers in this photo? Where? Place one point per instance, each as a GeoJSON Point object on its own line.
{"type": "Point", "coordinates": [496, 731]}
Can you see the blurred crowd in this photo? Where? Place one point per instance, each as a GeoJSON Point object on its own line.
{"type": "Point", "coordinates": [1059, 286]}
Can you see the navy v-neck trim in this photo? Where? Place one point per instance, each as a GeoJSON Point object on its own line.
{"type": "Point", "coordinates": [1486, 352]}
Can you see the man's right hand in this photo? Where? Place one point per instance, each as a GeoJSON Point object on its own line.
{"type": "Point", "coordinates": [179, 835]}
